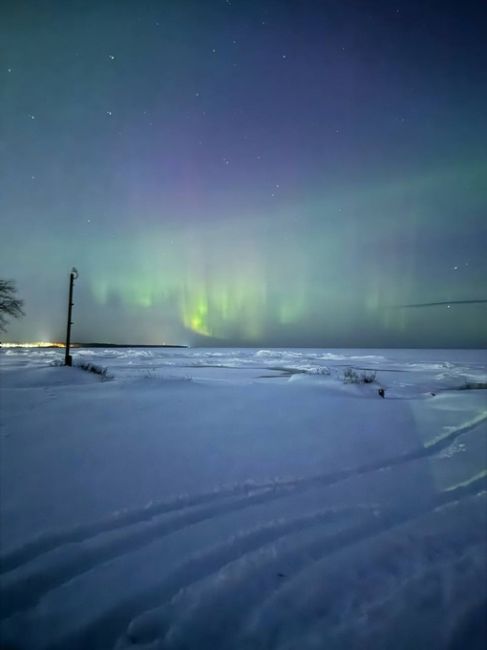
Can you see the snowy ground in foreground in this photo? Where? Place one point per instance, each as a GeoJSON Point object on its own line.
{"type": "Point", "coordinates": [243, 499]}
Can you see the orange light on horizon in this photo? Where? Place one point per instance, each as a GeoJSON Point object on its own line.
{"type": "Point", "coordinates": [34, 344]}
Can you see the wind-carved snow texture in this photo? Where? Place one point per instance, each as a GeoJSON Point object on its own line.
{"type": "Point", "coordinates": [384, 546]}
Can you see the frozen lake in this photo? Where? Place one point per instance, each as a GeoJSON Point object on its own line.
{"type": "Point", "coordinates": [243, 498]}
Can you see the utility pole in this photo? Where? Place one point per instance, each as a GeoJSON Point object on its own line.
{"type": "Point", "coordinates": [68, 360]}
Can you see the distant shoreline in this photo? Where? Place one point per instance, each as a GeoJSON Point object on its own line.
{"type": "Point", "coordinates": [75, 346]}
{"type": "Point", "coordinates": [123, 345]}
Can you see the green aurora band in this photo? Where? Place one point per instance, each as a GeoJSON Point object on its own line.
{"type": "Point", "coordinates": [239, 280]}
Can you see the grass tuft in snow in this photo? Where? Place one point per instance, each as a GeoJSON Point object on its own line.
{"type": "Point", "coordinates": [351, 376]}
{"type": "Point", "coordinates": [474, 385]}
{"type": "Point", "coordinates": [154, 375]}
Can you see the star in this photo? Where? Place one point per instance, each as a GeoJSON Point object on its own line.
{"type": "Point", "coordinates": [9, 69]}
{"type": "Point", "coordinates": [109, 113]}
{"type": "Point", "coordinates": [111, 57]}
{"type": "Point", "coordinates": [32, 117]}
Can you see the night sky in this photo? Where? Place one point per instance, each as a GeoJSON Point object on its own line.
{"type": "Point", "coordinates": [246, 172]}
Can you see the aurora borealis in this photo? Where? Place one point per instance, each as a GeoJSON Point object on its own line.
{"type": "Point", "coordinates": [246, 172]}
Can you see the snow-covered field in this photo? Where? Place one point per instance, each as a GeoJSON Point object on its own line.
{"type": "Point", "coordinates": [243, 499]}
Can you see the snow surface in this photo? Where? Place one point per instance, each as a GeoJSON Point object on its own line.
{"type": "Point", "coordinates": [243, 499]}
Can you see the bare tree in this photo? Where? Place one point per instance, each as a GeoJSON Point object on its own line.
{"type": "Point", "coordinates": [10, 305]}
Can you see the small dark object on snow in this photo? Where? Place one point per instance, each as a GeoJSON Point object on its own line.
{"type": "Point", "coordinates": [381, 392]}
{"type": "Point", "coordinates": [281, 575]}
{"type": "Point", "coordinates": [433, 394]}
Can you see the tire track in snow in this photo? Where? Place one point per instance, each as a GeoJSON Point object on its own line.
{"type": "Point", "coordinates": [104, 631]}
{"type": "Point", "coordinates": [49, 542]}
{"type": "Point", "coordinates": [376, 623]}
{"type": "Point", "coordinates": [243, 585]}
{"type": "Point", "coordinates": [20, 593]}
{"type": "Point", "coordinates": [148, 620]}
{"type": "Point", "coordinates": [144, 525]}
{"type": "Point", "coordinates": [336, 593]}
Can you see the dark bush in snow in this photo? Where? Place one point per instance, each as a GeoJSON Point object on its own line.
{"type": "Point", "coordinates": [97, 370]}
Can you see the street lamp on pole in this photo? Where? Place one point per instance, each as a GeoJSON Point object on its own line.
{"type": "Point", "coordinates": [68, 360]}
